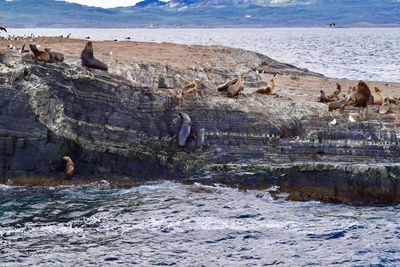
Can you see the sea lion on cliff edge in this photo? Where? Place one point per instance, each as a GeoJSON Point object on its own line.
{"type": "Point", "coordinates": [234, 89]}
{"type": "Point", "coordinates": [270, 90]}
{"type": "Point", "coordinates": [38, 55]}
{"type": "Point", "coordinates": [88, 59]}
{"type": "Point", "coordinates": [69, 167]}
{"type": "Point", "coordinates": [225, 86]}
{"type": "Point", "coordinates": [361, 97]}
{"type": "Point", "coordinates": [185, 128]}
{"type": "Point", "coordinates": [55, 56]}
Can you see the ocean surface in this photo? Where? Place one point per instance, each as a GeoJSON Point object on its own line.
{"type": "Point", "coordinates": [170, 224]}
{"type": "Point", "coordinates": [354, 53]}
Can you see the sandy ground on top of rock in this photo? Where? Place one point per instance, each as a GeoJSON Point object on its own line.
{"type": "Point", "coordinates": [305, 88]}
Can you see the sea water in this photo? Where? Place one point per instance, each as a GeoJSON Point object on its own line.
{"type": "Point", "coordinates": [170, 224]}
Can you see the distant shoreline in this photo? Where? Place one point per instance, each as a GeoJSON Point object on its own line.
{"type": "Point", "coordinates": [222, 27]}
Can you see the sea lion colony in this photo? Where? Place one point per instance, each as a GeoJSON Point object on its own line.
{"type": "Point", "coordinates": [359, 96]}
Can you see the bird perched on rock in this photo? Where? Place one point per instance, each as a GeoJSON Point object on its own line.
{"type": "Point", "coordinates": [351, 119]}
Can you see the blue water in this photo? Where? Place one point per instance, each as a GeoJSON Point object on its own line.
{"type": "Point", "coordinates": [170, 224]}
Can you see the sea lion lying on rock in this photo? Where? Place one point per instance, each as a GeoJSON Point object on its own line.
{"type": "Point", "coordinates": [191, 87]}
{"type": "Point", "coordinates": [41, 56]}
{"type": "Point", "coordinates": [234, 89]}
{"type": "Point", "coordinates": [387, 105]}
{"type": "Point", "coordinates": [55, 56]}
{"type": "Point", "coordinates": [225, 86]}
{"type": "Point", "coordinates": [270, 90]}
{"type": "Point", "coordinates": [69, 167]}
{"type": "Point", "coordinates": [340, 104]}
{"type": "Point", "coordinates": [89, 61]}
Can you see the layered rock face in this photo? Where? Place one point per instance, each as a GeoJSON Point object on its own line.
{"type": "Point", "coordinates": [124, 123]}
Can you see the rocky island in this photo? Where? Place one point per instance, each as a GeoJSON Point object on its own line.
{"type": "Point", "coordinates": [123, 123]}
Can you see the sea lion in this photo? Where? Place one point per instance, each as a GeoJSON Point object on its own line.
{"type": "Point", "coordinates": [234, 89]}
{"type": "Point", "coordinates": [361, 97]}
{"type": "Point", "coordinates": [185, 128]}
{"type": "Point", "coordinates": [377, 98]}
{"type": "Point", "coordinates": [191, 87]}
{"type": "Point", "coordinates": [270, 90]}
{"type": "Point", "coordinates": [323, 98]}
{"type": "Point", "coordinates": [55, 56]}
{"type": "Point", "coordinates": [338, 87]}
{"type": "Point", "coordinates": [225, 86]}
{"type": "Point", "coordinates": [38, 55]}
{"type": "Point", "coordinates": [340, 104]}
{"type": "Point", "coordinates": [88, 59]}
{"type": "Point", "coordinates": [69, 167]}
{"type": "Point", "coordinates": [200, 139]}
{"type": "Point", "coordinates": [387, 105]}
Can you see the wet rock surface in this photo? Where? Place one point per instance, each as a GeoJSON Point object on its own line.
{"type": "Point", "coordinates": [124, 123]}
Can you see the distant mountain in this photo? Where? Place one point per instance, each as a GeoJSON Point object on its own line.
{"type": "Point", "coordinates": [203, 13]}
{"type": "Point", "coordinates": [150, 3]}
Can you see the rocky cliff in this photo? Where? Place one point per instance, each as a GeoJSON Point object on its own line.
{"type": "Point", "coordinates": [123, 123]}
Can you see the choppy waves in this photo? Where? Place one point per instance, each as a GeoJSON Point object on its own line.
{"type": "Point", "coordinates": [166, 223]}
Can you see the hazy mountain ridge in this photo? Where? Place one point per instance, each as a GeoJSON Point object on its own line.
{"type": "Point", "coordinates": [202, 13]}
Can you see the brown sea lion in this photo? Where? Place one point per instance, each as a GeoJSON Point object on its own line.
{"type": "Point", "coordinates": [69, 167]}
{"type": "Point", "coordinates": [361, 97]}
{"type": "Point", "coordinates": [185, 129]}
{"type": "Point", "coordinates": [335, 96]}
{"type": "Point", "coordinates": [191, 87]}
{"type": "Point", "coordinates": [38, 55]}
{"type": "Point", "coordinates": [88, 59]}
{"type": "Point", "coordinates": [387, 105]}
{"type": "Point", "coordinates": [323, 98]}
{"type": "Point", "coordinates": [270, 90]}
{"type": "Point", "coordinates": [338, 87]}
{"type": "Point", "coordinates": [376, 96]}
{"type": "Point", "coordinates": [234, 89]}
{"type": "Point", "coordinates": [340, 104]}
{"type": "Point", "coordinates": [55, 56]}
{"type": "Point", "coordinates": [225, 86]}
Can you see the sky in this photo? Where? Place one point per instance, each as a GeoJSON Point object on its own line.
{"type": "Point", "coordinates": [105, 3]}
